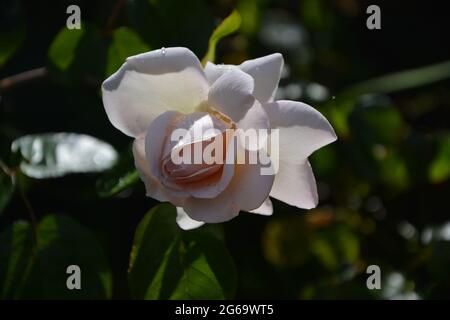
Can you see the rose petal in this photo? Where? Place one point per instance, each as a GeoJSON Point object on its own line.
{"type": "Point", "coordinates": [152, 186]}
{"type": "Point", "coordinates": [231, 94]}
{"type": "Point", "coordinates": [215, 71]}
{"type": "Point", "coordinates": [198, 127]}
{"type": "Point", "coordinates": [302, 129]}
{"type": "Point", "coordinates": [151, 83]}
{"type": "Point", "coordinates": [255, 119]}
{"type": "Point", "coordinates": [266, 209]}
{"type": "Point", "coordinates": [156, 138]}
{"type": "Point", "coordinates": [195, 127]}
{"type": "Point", "coordinates": [295, 184]}
{"type": "Point", "coordinates": [185, 222]}
{"type": "Point", "coordinates": [266, 72]}
{"type": "Point", "coordinates": [237, 196]}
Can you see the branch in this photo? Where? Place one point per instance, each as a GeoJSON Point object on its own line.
{"type": "Point", "coordinates": [21, 78]}
{"type": "Point", "coordinates": [113, 17]}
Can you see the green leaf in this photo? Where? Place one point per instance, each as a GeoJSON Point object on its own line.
{"type": "Point", "coordinates": [377, 124]}
{"type": "Point", "coordinates": [56, 154]}
{"type": "Point", "coordinates": [229, 25]}
{"type": "Point", "coordinates": [10, 41]}
{"type": "Point", "coordinates": [16, 247]}
{"type": "Point", "coordinates": [125, 43]}
{"type": "Point", "coordinates": [317, 14]}
{"type": "Point", "coordinates": [251, 12]}
{"type": "Point", "coordinates": [402, 80]}
{"type": "Point", "coordinates": [63, 49]}
{"type": "Point", "coordinates": [439, 170]}
{"type": "Point", "coordinates": [172, 23]}
{"type": "Point", "coordinates": [6, 190]}
{"type": "Point", "coordinates": [169, 263]}
{"type": "Point", "coordinates": [29, 271]}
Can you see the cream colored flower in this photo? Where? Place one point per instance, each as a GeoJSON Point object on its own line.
{"type": "Point", "coordinates": [157, 92]}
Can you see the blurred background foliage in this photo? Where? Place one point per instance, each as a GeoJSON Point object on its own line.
{"type": "Point", "coordinates": [383, 186]}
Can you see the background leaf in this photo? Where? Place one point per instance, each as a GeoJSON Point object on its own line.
{"type": "Point", "coordinates": [402, 80]}
{"type": "Point", "coordinates": [10, 41]}
{"type": "Point", "coordinates": [16, 248]}
{"type": "Point", "coordinates": [6, 190]}
{"type": "Point", "coordinates": [172, 23]}
{"type": "Point", "coordinates": [56, 154]}
{"type": "Point", "coordinates": [30, 271]}
{"type": "Point", "coordinates": [440, 167]}
{"type": "Point", "coordinates": [169, 263]}
{"type": "Point", "coordinates": [229, 25]}
{"type": "Point", "coordinates": [63, 49]}
{"type": "Point", "coordinates": [125, 43]}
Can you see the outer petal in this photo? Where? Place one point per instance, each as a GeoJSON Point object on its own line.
{"type": "Point", "coordinates": [266, 209]}
{"type": "Point", "coordinates": [266, 71]}
{"type": "Point", "coordinates": [295, 185]}
{"type": "Point", "coordinates": [302, 129]}
{"type": "Point", "coordinates": [153, 188]}
{"type": "Point", "coordinates": [236, 197]}
{"type": "Point", "coordinates": [151, 83]}
{"type": "Point", "coordinates": [185, 222]}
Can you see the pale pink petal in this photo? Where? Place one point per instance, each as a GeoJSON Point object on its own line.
{"type": "Point", "coordinates": [266, 72]}
{"type": "Point", "coordinates": [266, 209]}
{"type": "Point", "coordinates": [295, 184]}
{"type": "Point", "coordinates": [302, 129]}
{"type": "Point", "coordinates": [151, 83]}
{"type": "Point", "coordinates": [185, 222]}
{"type": "Point", "coordinates": [152, 186]}
{"type": "Point", "coordinates": [215, 71]}
{"type": "Point", "coordinates": [196, 128]}
{"type": "Point", "coordinates": [247, 191]}
{"type": "Point", "coordinates": [255, 120]}
{"type": "Point", "coordinates": [232, 95]}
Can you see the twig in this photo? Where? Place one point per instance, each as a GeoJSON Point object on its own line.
{"type": "Point", "coordinates": [33, 219]}
{"type": "Point", "coordinates": [113, 17]}
{"type": "Point", "coordinates": [20, 78]}
{"type": "Point", "coordinates": [9, 171]}
{"type": "Point", "coordinates": [12, 173]}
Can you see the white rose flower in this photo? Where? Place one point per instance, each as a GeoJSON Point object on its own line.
{"type": "Point", "coordinates": [157, 92]}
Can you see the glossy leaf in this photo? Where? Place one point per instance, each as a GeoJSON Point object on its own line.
{"type": "Point", "coordinates": [6, 190]}
{"type": "Point", "coordinates": [439, 169]}
{"type": "Point", "coordinates": [172, 23]}
{"type": "Point", "coordinates": [169, 263]}
{"type": "Point", "coordinates": [16, 252]}
{"type": "Point", "coordinates": [57, 154]}
{"type": "Point", "coordinates": [63, 49]}
{"type": "Point", "coordinates": [125, 43]}
{"type": "Point", "coordinates": [40, 271]}
{"type": "Point", "coordinates": [381, 124]}
{"type": "Point", "coordinates": [229, 25]}
{"type": "Point", "coordinates": [10, 41]}
{"type": "Point", "coordinates": [402, 80]}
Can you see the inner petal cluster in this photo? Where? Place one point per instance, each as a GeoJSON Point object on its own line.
{"type": "Point", "coordinates": [196, 157]}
